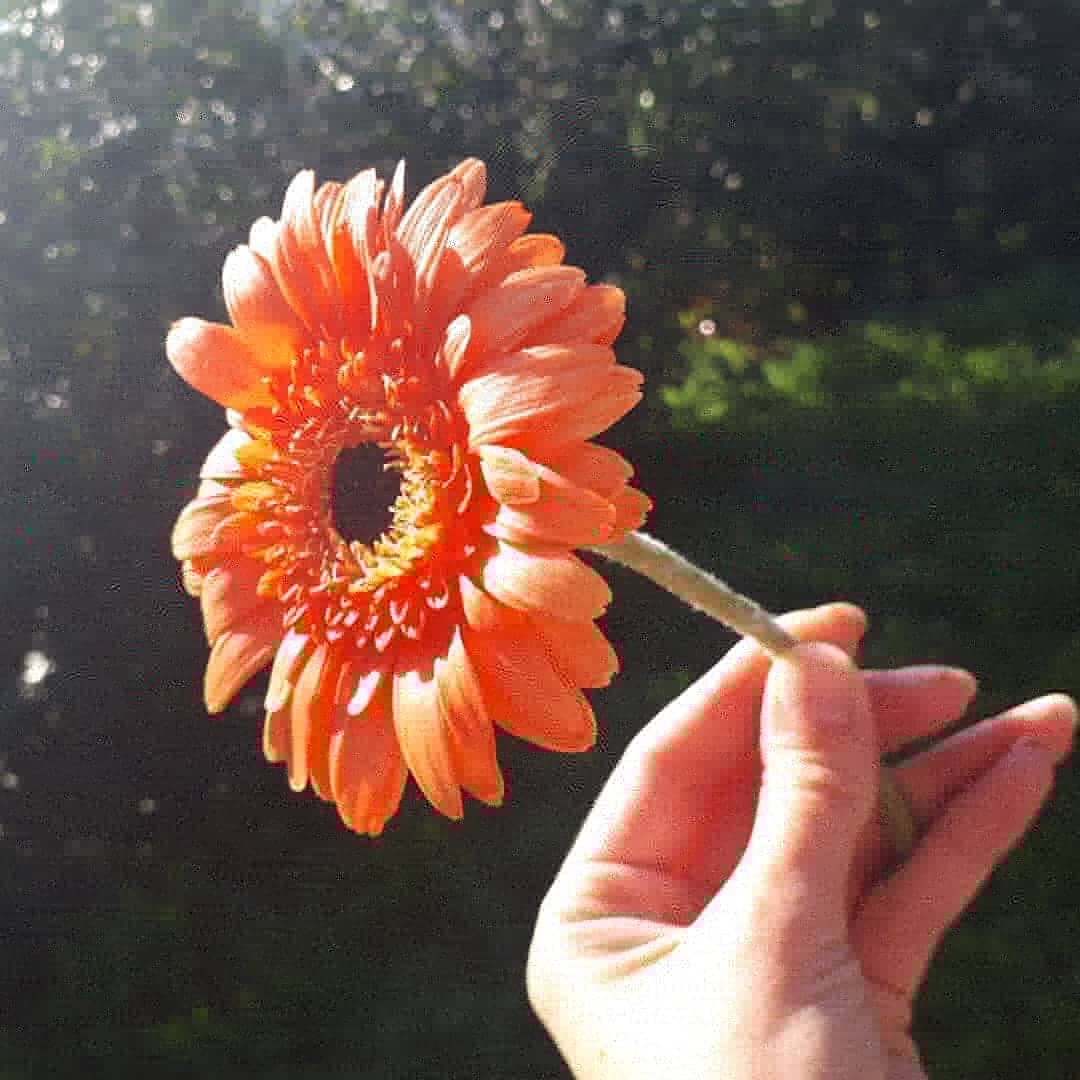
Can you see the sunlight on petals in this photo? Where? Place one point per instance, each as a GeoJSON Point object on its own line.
{"type": "Point", "coordinates": [475, 367]}
{"type": "Point", "coordinates": [217, 362]}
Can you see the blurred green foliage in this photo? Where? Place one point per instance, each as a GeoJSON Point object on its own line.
{"type": "Point", "coordinates": [848, 240]}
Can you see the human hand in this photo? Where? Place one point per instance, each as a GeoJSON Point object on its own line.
{"type": "Point", "coordinates": [718, 918]}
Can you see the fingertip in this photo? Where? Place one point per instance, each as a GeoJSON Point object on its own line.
{"type": "Point", "coordinates": [963, 683]}
{"type": "Point", "coordinates": [1061, 705]}
{"type": "Point", "coordinates": [1050, 720]}
{"type": "Point", "coordinates": [824, 653]}
{"type": "Point", "coordinates": [840, 623]}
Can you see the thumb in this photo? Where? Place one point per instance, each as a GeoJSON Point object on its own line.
{"type": "Point", "coordinates": [820, 755]}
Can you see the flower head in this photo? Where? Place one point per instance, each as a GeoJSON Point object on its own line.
{"type": "Point", "coordinates": [461, 351]}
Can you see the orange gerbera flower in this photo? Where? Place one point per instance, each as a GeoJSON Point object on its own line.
{"type": "Point", "coordinates": [480, 366]}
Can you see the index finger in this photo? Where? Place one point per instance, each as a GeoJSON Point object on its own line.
{"type": "Point", "coordinates": [679, 800]}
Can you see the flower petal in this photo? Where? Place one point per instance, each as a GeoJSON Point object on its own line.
{"type": "Point", "coordinates": [510, 475]}
{"type": "Point", "coordinates": [533, 249]}
{"type": "Point", "coordinates": [524, 694]}
{"type": "Point", "coordinates": [305, 714]}
{"type": "Point", "coordinates": [595, 467]}
{"type": "Point", "coordinates": [192, 578]}
{"type": "Point", "coordinates": [559, 512]}
{"type": "Point", "coordinates": [502, 317]}
{"type": "Point", "coordinates": [557, 583]}
{"type": "Point", "coordinates": [470, 730]}
{"type": "Point", "coordinates": [360, 210]}
{"type": "Point", "coordinates": [631, 509]}
{"type": "Point", "coordinates": [355, 203]}
{"type": "Point", "coordinates": [193, 533]}
{"type": "Point", "coordinates": [482, 236]}
{"type": "Point", "coordinates": [420, 723]}
{"type": "Point", "coordinates": [292, 652]}
{"type": "Point", "coordinates": [425, 228]}
{"type": "Point", "coordinates": [367, 771]}
{"type": "Point", "coordinates": [229, 596]}
{"type": "Point", "coordinates": [221, 463]}
{"type": "Point", "coordinates": [605, 472]}
{"type": "Point", "coordinates": [236, 656]}
{"type": "Point", "coordinates": [453, 351]}
{"type": "Point", "coordinates": [217, 362]}
{"type": "Point", "coordinates": [472, 175]}
{"type": "Point", "coordinates": [258, 308]}
{"type": "Point", "coordinates": [579, 651]}
{"type": "Point", "coordinates": [542, 399]}
{"type": "Point", "coordinates": [276, 735]}
{"type": "Point", "coordinates": [338, 679]}
{"type": "Point", "coordinates": [301, 262]}
{"type": "Point", "coordinates": [597, 314]}
{"type": "Point", "coordinates": [394, 205]}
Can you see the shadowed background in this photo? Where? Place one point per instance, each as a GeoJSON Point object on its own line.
{"type": "Point", "coordinates": [850, 238]}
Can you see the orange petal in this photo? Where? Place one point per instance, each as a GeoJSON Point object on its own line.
{"type": "Point", "coordinates": [482, 236]}
{"type": "Point", "coordinates": [557, 583]}
{"type": "Point", "coordinates": [291, 653]}
{"type": "Point", "coordinates": [503, 316]}
{"type": "Point", "coordinates": [482, 612]}
{"type": "Point", "coordinates": [564, 514]}
{"type": "Point", "coordinates": [263, 238]}
{"type": "Point", "coordinates": [301, 262]}
{"type": "Point", "coordinates": [579, 651]}
{"type": "Point", "coordinates": [394, 205]}
{"type": "Point", "coordinates": [338, 680]}
{"type": "Point", "coordinates": [525, 253]}
{"type": "Point", "coordinates": [217, 362]}
{"type": "Point", "coordinates": [539, 406]}
{"type": "Point", "coordinates": [304, 716]}
{"type": "Point", "coordinates": [594, 467]}
{"type": "Point", "coordinates": [525, 695]}
{"type": "Point", "coordinates": [393, 286]}
{"type": "Point", "coordinates": [259, 310]}
{"type": "Point", "coordinates": [420, 723]}
{"type": "Point", "coordinates": [192, 578]}
{"type": "Point", "coordinates": [193, 533]}
{"type": "Point", "coordinates": [222, 463]}
{"type": "Point", "coordinates": [542, 361]}
{"type": "Point", "coordinates": [360, 210]}
{"type": "Point", "coordinates": [276, 735]}
{"type": "Point", "coordinates": [631, 509]}
{"type": "Point", "coordinates": [597, 314]}
{"type": "Point", "coordinates": [236, 656]}
{"type": "Point", "coordinates": [229, 596]}
{"type": "Point", "coordinates": [367, 771]}
{"type": "Point", "coordinates": [444, 301]}
{"type": "Point", "coordinates": [470, 730]}
{"type": "Point", "coordinates": [453, 351]}
{"type": "Point", "coordinates": [425, 228]}
{"type": "Point", "coordinates": [471, 174]}
{"type": "Point", "coordinates": [365, 688]}
{"type": "Point", "coordinates": [324, 203]}
{"type": "Point", "coordinates": [358, 198]}
{"type": "Point", "coordinates": [533, 249]}
{"type": "Point", "coordinates": [511, 477]}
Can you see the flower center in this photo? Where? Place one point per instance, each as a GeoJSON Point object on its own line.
{"type": "Point", "coordinates": [362, 493]}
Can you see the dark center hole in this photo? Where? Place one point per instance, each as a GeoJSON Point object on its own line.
{"type": "Point", "coordinates": [362, 493]}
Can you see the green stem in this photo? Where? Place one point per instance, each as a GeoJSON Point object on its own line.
{"type": "Point", "coordinates": [703, 591]}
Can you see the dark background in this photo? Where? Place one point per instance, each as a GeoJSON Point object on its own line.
{"type": "Point", "coordinates": [850, 240]}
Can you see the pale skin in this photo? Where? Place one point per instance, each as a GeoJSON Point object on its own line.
{"type": "Point", "coordinates": [720, 918]}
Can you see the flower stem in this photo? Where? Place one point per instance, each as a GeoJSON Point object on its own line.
{"type": "Point", "coordinates": [701, 590]}
{"type": "Point", "coordinates": [709, 594]}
